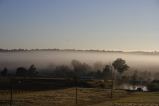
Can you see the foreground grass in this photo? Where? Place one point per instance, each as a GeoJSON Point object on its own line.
{"type": "Point", "coordinates": [135, 99]}
{"type": "Point", "coordinates": [65, 97]}
{"type": "Point", "coordinates": [86, 97]}
{"type": "Point", "coordinates": [141, 97]}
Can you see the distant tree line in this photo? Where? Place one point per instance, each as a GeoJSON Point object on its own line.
{"type": "Point", "coordinates": [22, 71]}
{"type": "Point", "coordinates": [77, 69]}
{"type": "Point", "coordinates": [116, 71]}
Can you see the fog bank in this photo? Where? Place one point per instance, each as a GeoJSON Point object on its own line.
{"type": "Point", "coordinates": [44, 59]}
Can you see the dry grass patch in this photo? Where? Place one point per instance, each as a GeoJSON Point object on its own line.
{"type": "Point", "coordinates": [64, 97]}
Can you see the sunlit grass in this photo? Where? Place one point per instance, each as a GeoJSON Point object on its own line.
{"type": "Point", "coordinates": [65, 97]}
{"type": "Point", "coordinates": [86, 97]}
{"type": "Point", "coordinates": [141, 97]}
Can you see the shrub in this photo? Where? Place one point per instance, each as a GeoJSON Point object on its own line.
{"type": "Point", "coordinates": [154, 86]}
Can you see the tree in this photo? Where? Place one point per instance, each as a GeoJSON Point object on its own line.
{"type": "Point", "coordinates": [120, 65]}
{"type": "Point", "coordinates": [21, 71]}
{"type": "Point", "coordinates": [63, 71]}
{"type": "Point", "coordinates": [80, 69]}
{"type": "Point", "coordinates": [134, 78]}
{"type": "Point", "coordinates": [107, 71]}
{"type": "Point", "coordinates": [98, 66]}
{"type": "Point", "coordinates": [4, 72]}
{"type": "Point", "coordinates": [147, 76]}
{"type": "Point", "coordinates": [153, 86]}
{"type": "Point", "coordinates": [98, 74]}
{"type": "Point", "coordinates": [32, 71]}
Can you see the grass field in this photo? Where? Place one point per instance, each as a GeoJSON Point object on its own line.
{"type": "Point", "coordinates": [135, 99]}
{"type": "Point", "coordinates": [65, 97]}
{"type": "Point", "coordinates": [86, 97]}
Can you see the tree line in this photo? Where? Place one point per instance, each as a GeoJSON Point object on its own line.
{"type": "Point", "coordinates": [77, 69]}
{"type": "Point", "coordinates": [83, 70]}
{"type": "Point", "coordinates": [22, 71]}
{"type": "Point", "coordinates": [116, 71]}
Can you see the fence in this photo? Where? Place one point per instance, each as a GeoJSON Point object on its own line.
{"type": "Point", "coordinates": [54, 92]}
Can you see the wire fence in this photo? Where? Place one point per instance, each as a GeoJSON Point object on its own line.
{"type": "Point", "coordinates": [18, 92]}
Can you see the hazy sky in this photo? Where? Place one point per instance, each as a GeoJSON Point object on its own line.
{"type": "Point", "coordinates": [80, 24]}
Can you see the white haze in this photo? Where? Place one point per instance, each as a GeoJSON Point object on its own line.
{"type": "Point", "coordinates": [44, 59]}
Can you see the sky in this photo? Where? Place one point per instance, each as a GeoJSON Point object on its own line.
{"type": "Point", "coordinates": [127, 25]}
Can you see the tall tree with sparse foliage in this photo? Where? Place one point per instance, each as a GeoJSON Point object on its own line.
{"type": "Point", "coordinates": [120, 65]}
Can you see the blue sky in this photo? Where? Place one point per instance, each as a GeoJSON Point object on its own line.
{"type": "Point", "coordinates": [80, 24]}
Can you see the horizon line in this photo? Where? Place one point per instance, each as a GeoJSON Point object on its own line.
{"type": "Point", "coordinates": [73, 49]}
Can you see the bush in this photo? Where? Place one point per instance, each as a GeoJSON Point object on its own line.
{"type": "Point", "coordinates": [154, 86]}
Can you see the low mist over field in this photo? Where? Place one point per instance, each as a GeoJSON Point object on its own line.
{"type": "Point", "coordinates": [49, 59]}
{"type": "Point", "coordinates": [79, 52]}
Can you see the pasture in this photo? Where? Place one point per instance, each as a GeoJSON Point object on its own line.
{"type": "Point", "coordinates": [86, 97]}
{"type": "Point", "coordinates": [63, 97]}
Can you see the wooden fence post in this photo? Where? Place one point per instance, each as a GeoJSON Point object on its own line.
{"type": "Point", "coordinates": [11, 92]}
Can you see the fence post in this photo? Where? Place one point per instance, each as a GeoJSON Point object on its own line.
{"type": "Point", "coordinates": [76, 95]}
{"type": "Point", "coordinates": [76, 90]}
{"type": "Point", "coordinates": [113, 75]}
{"type": "Point", "coordinates": [11, 92]}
